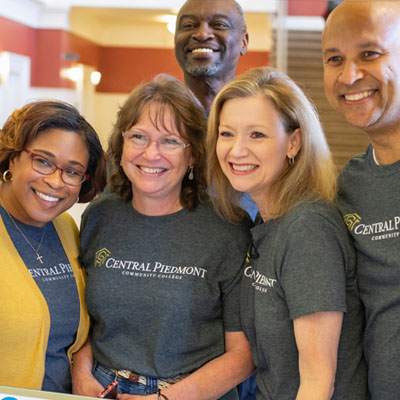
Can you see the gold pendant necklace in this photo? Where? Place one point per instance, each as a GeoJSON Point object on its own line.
{"type": "Point", "coordinates": [38, 256]}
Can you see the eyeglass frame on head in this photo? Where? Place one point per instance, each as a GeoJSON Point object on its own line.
{"type": "Point", "coordinates": [55, 167]}
{"type": "Point", "coordinates": [180, 145]}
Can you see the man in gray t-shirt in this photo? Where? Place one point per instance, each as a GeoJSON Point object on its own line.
{"type": "Point", "coordinates": [361, 53]}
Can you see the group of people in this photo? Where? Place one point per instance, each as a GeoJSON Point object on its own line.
{"type": "Point", "coordinates": [170, 288]}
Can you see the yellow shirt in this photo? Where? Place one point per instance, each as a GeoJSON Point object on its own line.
{"type": "Point", "coordinates": [24, 314]}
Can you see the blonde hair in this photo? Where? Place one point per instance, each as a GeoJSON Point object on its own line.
{"type": "Point", "coordinates": [313, 174]}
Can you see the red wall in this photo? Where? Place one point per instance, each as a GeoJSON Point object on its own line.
{"type": "Point", "coordinates": [18, 38]}
{"type": "Point", "coordinates": [122, 68]}
{"type": "Point", "coordinates": [52, 45]}
{"type": "Point", "coordinates": [307, 7]}
{"type": "Point", "coordinates": [46, 70]}
{"type": "Point", "coordinates": [253, 59]}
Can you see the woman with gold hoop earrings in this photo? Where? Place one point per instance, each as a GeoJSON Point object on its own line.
{"type": "Point", "coordinates": [50, 157]}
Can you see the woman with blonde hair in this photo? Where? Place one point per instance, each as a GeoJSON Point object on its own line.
{"type": "Point", "coordinates": [300, 308]}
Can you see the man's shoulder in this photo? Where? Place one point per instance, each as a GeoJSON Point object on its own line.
{"type": "Point", "coordinates": [357, 167]}
{"type": "Point", "coordinates": [354, 183]}
{"type": "Point", "coordinates": [357, 162]}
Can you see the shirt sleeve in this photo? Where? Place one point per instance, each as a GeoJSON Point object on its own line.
{"type": "Point", "coordinates": [230, 286]}
{"type": "Point", "coordinates": [313, 268]}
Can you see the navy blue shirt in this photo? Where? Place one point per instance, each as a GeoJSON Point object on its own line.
{"type": "Point", "coordinates": [56, 281]}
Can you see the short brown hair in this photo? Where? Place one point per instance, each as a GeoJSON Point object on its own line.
{"type": "Point", "coordinates": [26, 123]}
{"type": "Point", "coordinates": [168, 93]}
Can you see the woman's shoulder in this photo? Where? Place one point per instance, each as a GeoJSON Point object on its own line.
{"type": "Point", "coordinates": [104, 201]}
{"type": "Point", "coordinates": [64, 218]}
{"type": "Point", "coordinates": [207, 216]}
{"type": "Point", "coordinates": [104, 206]}
{"type": "Point", "coordinates": [65, 221]}
{"type": "Point", "coordinates": [318, 226]}
{"type": "Point", "coordinates": [315, 214]}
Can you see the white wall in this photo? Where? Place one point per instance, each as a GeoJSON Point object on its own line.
{"type": "Point", "coordinates": [106, 106]}
{"type": "Point", "coordinates": [14, 83]}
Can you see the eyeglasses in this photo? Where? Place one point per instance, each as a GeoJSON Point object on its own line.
{"type": "Point", "coordinates": [70, 176]}
{"type": "Point", "coordinates": [167, 145]}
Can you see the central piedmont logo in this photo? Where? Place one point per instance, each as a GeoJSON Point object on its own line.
{"type": "Point", "coordinates": [101, 257]}
{"type": "Point", "coordinates": [351, 220]}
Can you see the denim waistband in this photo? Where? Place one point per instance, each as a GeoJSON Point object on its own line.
{"type": "Point", "coordinates": [132, 376]}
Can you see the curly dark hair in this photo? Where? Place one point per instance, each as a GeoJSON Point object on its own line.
{"type": "Point", "coordinates": [26, 123]}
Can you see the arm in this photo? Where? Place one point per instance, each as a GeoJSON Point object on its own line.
{"type": "Point", "coordinates": [83, 381]}
{"type": "Point", "coordinates": [216, 377]}
{"type": "Point", "coordinates": [317, 338]}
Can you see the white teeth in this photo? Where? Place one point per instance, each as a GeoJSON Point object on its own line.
{"type": "Point", "coordinates": [152, 170]}
{"type": "Point", "coordinates": [243, 168]}
{"type": "Point", "coordinates": [47, 198]}
{"type": "Point", "coordinates": [358, 96]}
{"type": "Point", "coordinates": [202, 50]}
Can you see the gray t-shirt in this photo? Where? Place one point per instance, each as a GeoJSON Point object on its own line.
{"type": "Point", "coordinates": [161, 290]}
{"type": "Point", "coordinates": [369, 200]}
{"type": "Point", "coordinates": [298, 265]}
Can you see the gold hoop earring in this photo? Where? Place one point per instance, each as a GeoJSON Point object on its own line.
{"type": "Point", "coordinates": [7, 176]}
{"type": "Point", "coordinates": [291, 160]}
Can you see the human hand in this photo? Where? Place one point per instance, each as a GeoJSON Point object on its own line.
{"type": "Point", "coordinates": [86, 385]}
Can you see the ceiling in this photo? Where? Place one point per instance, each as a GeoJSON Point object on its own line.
{"type": "Point", "coordinates": [119, 15]}
{"type": "Point", "coordinates": [247, 5]}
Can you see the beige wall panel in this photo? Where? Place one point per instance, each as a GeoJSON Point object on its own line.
{"type": "Point", "coordinates": [106, 106]}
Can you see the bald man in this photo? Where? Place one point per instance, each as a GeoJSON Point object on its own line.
{"type": "Point", "coordinates": [361, 54]}
{"type": "Point", "coordinates": [210, 37]}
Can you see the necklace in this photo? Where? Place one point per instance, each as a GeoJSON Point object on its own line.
{"type": "Point", "coordinates": [38, 256]}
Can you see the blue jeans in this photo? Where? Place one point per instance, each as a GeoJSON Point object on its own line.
{"type": "Point", "coordinates": [106, 377]}
{"type": "Point", "coordinates": [248, 388]}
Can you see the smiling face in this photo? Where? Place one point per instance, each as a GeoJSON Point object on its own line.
{"type": "Point", "coordinates": [209, 38]}
{"type": "Point", "coordinates": [253, 146]}
{"type": "Point", "coordinates": [361, 53]}
{"type": "Point", "coordinates": [154, 175]}
{"type": "Point", "coordinates": [35, 199]}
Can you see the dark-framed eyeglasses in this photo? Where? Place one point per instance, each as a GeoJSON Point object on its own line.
{"type": "Point", "coordinates": [70, 176]}
{"type": "Point", "coordinates": [166, 145]}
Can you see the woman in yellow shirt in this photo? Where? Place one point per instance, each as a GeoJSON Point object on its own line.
{"type": "Point", "coordinates": [50, 158]}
